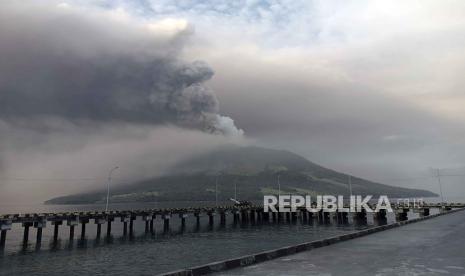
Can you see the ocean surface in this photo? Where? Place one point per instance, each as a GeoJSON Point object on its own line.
{"type": "Point", "coordinates": [147, 254]}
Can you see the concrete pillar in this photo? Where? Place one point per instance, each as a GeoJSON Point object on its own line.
{"type": "Point", "coordinates": [288, 217]}
{"type": "Point", "coordinates": [56, 224]}
{"type": "Point", "coordinates": [425, 212]}
{"type": "Point", "coordinates": [147, 219]}
{"type": "Point", "coordinates": [211, 218]}
{"type": "Point", "coordinates": [2, 239]}
{"type": "Point", "coordinates": [244, 216]}
{"type": "Point", "coordinates": [83, 221]}
{"type": "Point", "coordinates": [151, 224]}
{"type": "Point", "coordinates": [266, 216]}
{"type": "Point", "coordinates": [252, 216]}
{"type": "Point", "coordinates": [26, 226]}
{"type": "Point", "coordinates": [5, 225]}
{"type": "Point", "coordinates": [99, 221]}
{"type": "Point", "coordinates": [320, 215]}
{"type": "Point", "coordinates": [236, 216]}
{"type": "Point", "coordinates": [310, 216]}
{"type": "Point", "coordinates": [131, 225]}
{"type": "Point", "coordinates": [293, 216]}
{"type": "Point", "coordinates": [41, 223]}
{"type": "Point", "coordinates": [72, 222]}
{"type": "Point", "coordinates": [303, 215]}
{"type": "Point", "coordinates": [125, 220]}
{"type": "Point", "coordinates": [222, 218]}
{"type": "Point", "coordinates": [342, 217]}
{"type": "Point", "coordinates": [109, 221]}
{"type": "Point", "coordinates": [166, 222]}
{"type": "Point", "coordinates": [381, 215]}
{"type": "Point", "coordinates": [401, 214]}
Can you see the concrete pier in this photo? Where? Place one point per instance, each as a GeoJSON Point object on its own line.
{"type": "Point", "coordinates": [222, 218]}
{"type": "Point", "coordinates": [72, 222]}
{"type": "Point", "coordinates": [427, 247]}
{"type": "Point", "coordinates": [26, 226]}
{"type": "Point", "coordinates": [99, 221]}
{"type": "Point", "coordinates": [56, 224]}
{"type": "Point", "coordinates": [166, 222]}
{"type": "Point", "coordinates": [109, 221]}
{"type": "Point", "coordinates": [83, 221]}
{"type": "Point", "coordinates": [245, 214]}
{"type": "Point", "coordinates": [211, 217]}
{"type": "Point", "coordinates": [125, 221]}
{"type": "Point", "coordinates": [39, 225]}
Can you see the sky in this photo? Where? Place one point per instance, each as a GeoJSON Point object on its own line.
{"type": "Point", "coordinates": [370, 88]}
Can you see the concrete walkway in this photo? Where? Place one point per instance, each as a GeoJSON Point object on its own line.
{"type": "Point", "coordinates": [430, 247]}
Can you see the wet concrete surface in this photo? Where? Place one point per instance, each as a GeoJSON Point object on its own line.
{"type": "Point", "coordinates": [430, 247]}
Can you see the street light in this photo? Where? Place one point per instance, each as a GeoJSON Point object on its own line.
{"type": "Point", "coordinates": [108, 186]}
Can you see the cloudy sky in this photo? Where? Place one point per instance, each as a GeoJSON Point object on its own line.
{"type": "Point", "coordinates": [371, 88]}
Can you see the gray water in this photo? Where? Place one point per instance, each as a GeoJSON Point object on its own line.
{"type": "Point", "coordinates": [150, 254]}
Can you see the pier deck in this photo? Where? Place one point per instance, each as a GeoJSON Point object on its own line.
{"type": "Point", "coordinates": [430, 247]}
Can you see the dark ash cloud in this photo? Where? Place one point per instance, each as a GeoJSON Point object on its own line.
{"type": "Point", "coordinates": [86, 65]}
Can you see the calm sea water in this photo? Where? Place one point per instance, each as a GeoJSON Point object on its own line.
{"type": "Point", "coordinates": [149, 254]}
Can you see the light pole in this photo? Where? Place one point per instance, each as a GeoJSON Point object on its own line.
{"type": "Point", "coordinates": [350, 186]}
{"type": "Point", "coordinates": [216, 191]}
{"type": "Point", "coordinates": [235, 190]}
{"type": "Point", "coordinates": [108, 186]}
{"type": "Point", "coordinates": [438, 174]}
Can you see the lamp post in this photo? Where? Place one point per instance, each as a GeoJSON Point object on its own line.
{"type": "Point", "coordinates": [108, 186]}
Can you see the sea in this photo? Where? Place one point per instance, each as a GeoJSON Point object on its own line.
{"type": "Point", "coordinates": [147, 254]}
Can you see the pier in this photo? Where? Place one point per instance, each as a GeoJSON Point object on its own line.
{"type": "Point", "coordinates": [427, 247]}
{"type": "Point", "coordinates": [67, 222]}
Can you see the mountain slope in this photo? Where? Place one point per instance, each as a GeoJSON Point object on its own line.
{"type": "Point", "coordinates": [254, 172]}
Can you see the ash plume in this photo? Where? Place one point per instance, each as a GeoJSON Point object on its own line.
{"type": "Point", "coordinates": [84, 65]}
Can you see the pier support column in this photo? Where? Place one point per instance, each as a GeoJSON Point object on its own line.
{"type": "Point", "coordinates": [320, 216]}
{"type": "Point", "coordinates": [342, 217]}
{"type": "Point", "coordinates": [381, 216]}
{"type": "Point", "coordinates": [236, 216]}
{"type": "Point", "coordinates": [99, 222]}
{"type": "Point", "coordinates": [244, 216]}
{"type": "Point", "coordinates": [211, 216]}
{"type": "Point", "coordinates": [5, 225]}
{"type": "Point", "coordinates": [41, 223]}
{"type": "Point", "coordinates": [183, 217]}
{"type": "Point", "coordinates": [2, 239]}
{"type": "Point", "coordinates": [152, 230]}
{"type": "Point", "coordinates": [266, 216]}
{"type": "Point", "coordinates": [222, 218]}
{"type": "Point", "coordinates": [109, 222]}
{"type": "Point", "coordinates": [274, 217]}
{"type": "Point", "coordinates": [125, 220]}
{"type": "Point", "coordinates": [303, 215]}
{"type": "Point", "coordinates": [26, 226]}
{"type": "Point", "coordinates": [425, 212]}
{"type": "Point", "coordinates": [84, 221]}
{"type": "Point", "coordinates": [402, 214]}
{"type": "Point", "coordinates": [197, 218]}
{"type": "Point", "coordinates": [166, 222]}
{"type": "Point", "coordinates": [293, 216]}
{"type": "Point", "coordinates": [131, 225]}
{"type": "Point", "coordinates": [147, 219]}
{"type": "Point", "coordinates": [252, 216]}
{"type": "Point", "coordinates": [288, 217]}
{"type": "Point", "coordinates": [72, 222]}
{"type": "Point", "coordinates": [56, 224]}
